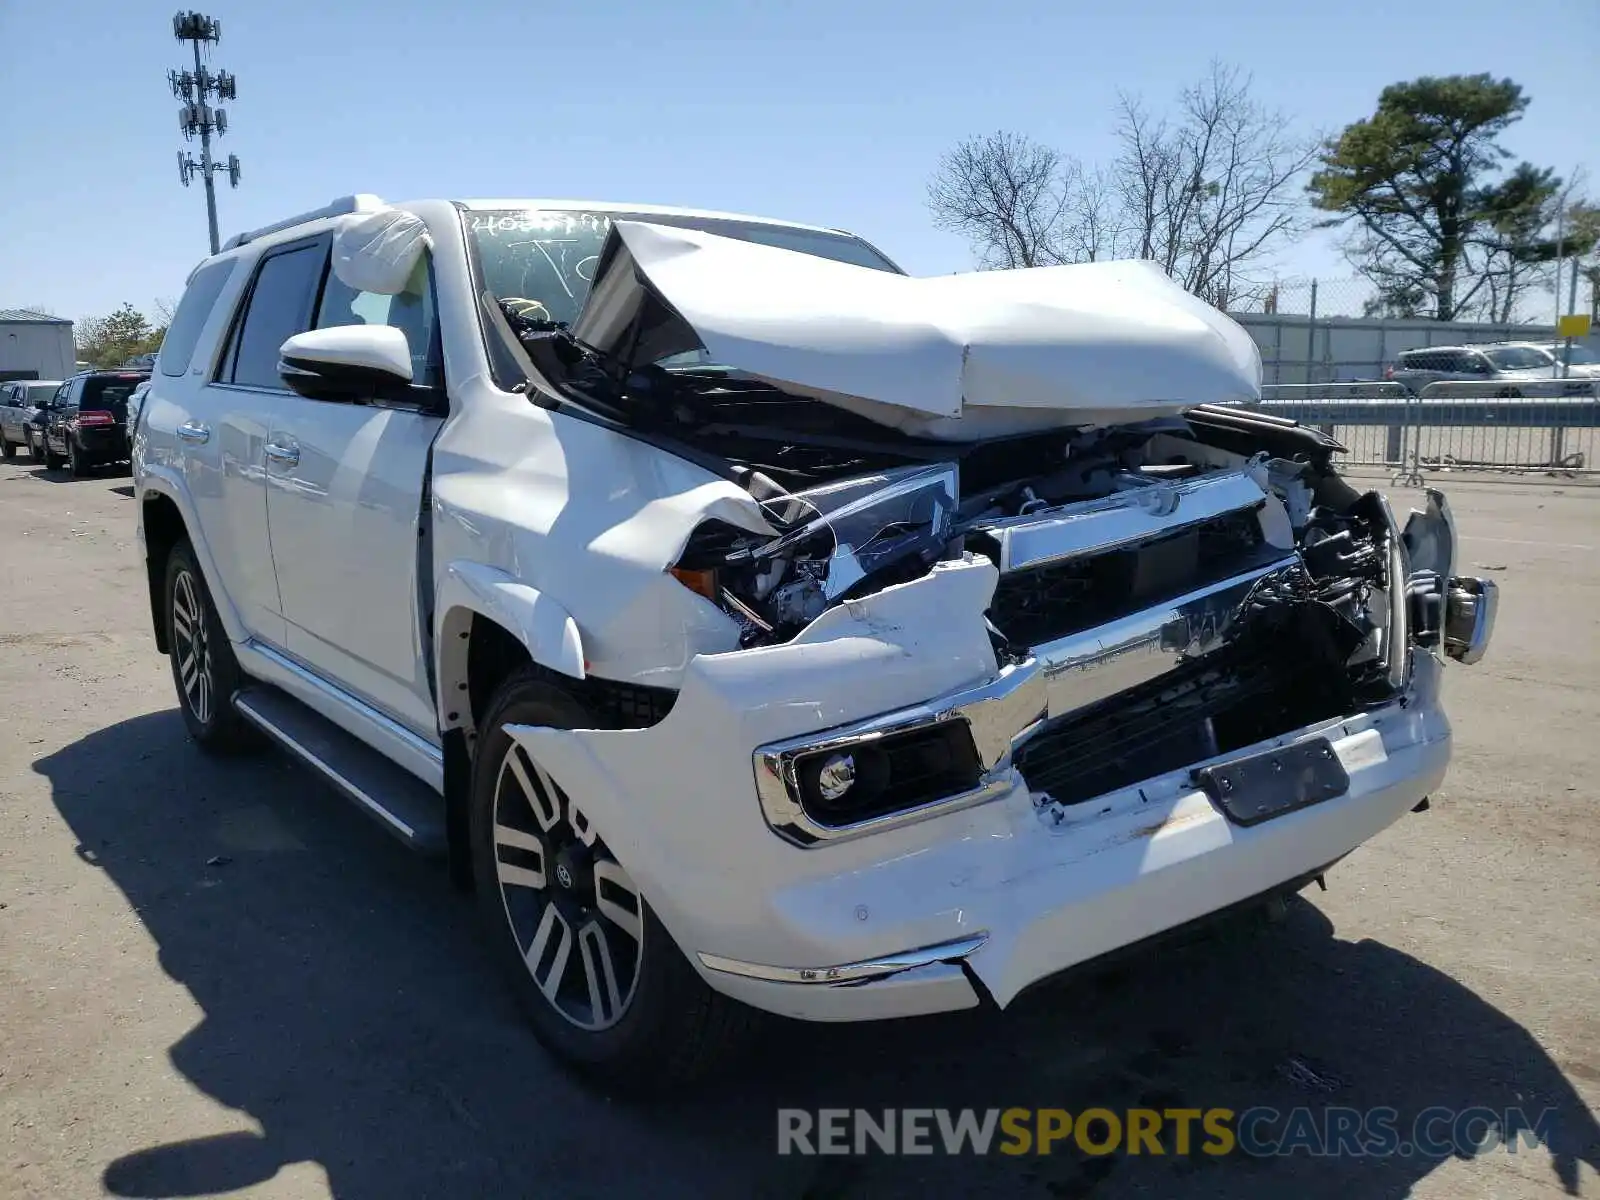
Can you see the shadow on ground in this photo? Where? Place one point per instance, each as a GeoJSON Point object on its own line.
{"type": "Point", "coordinates": [350, 1011]}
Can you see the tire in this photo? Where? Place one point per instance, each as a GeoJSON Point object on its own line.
{"type": "Point", "coordinates": [659, 1024]}
{"type": "Point", "coordinates": [8, 448]}
{"type": "Point", "coordinates": [204, 670]}
{"type": "Point", "coordinates": [35, 448]}
{"type": "Point", "coordinates": [52, 460]}
{"type": "Point", "coordinates": [76, 466]}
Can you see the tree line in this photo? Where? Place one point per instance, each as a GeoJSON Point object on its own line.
{"type": "Point", "coordinates": [1433, 212]}
{"type": "Point", "coordinates": [117, 338]}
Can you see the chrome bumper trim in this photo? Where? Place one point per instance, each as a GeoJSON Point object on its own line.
{"type": "Point", "coordinates": [998, 714]}
{"type": "Point", "coordinates": [1093, 527]}
{"type": "Point", "coordinates": [848, 974]}
{"type": "Point", "coordinates": [1471, 605]}
{"type": "Point", "coordinates": [1096, 664]}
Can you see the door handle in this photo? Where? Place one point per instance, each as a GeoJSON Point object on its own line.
{"type": "Point", "coordinates": [284, 456]}
{"type": "Point", "coordinates": [193, 431]}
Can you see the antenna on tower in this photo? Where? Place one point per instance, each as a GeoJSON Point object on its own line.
{"type": "Point", "coordinates": [196, 115]}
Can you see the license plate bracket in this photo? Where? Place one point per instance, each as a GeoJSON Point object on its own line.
{"type": "Point", "coordinates": [1272, 783]}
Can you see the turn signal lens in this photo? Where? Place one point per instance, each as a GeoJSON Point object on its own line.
{"type": "Point", "coordinates": [702, 582]}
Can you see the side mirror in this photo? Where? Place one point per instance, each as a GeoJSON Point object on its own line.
{"type": "Point", "coordinates": [351, 363]}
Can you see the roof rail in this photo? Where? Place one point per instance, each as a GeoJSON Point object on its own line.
{"type": "Point", "coordinates": [344, 205]}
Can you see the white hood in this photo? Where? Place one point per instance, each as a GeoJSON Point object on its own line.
{"type": "Point", "coordinates": [956, 357]}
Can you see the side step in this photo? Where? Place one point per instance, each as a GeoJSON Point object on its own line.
{"type": "Point", "coordinates": [400, 802]}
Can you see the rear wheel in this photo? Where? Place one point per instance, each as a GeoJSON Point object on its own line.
{"type": "Point", "coordinates": [52, 460]}
{"type": "Point", "coordinates": [204, 669]}
{"type": "Point", "coordinates": [604, 986]}
{"type": "Point", "coordinates": [8, 448]}
{"type": "Point", "coordinates": [75, 461]}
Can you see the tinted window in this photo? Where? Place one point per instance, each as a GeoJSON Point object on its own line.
{"type": "Point", "coordinates": [40, 393]}
{"type": "Point", "coordinates": [278, 308]}
{"type": "Point", "coordinates": [413, 312]}
{"type": "Point", "coordinates": [108, 392]}
{"type": "Point", "coordinates": [177, 348]}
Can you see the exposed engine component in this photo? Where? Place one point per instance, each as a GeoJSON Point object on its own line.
{"type": "Point", "coordinates": [1096, 533]}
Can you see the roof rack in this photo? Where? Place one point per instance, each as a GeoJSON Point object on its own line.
{"type": "Point", "coordinates": [343, 206]}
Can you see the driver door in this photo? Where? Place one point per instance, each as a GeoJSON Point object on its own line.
{"type": "Point", "coordinates": [345, 483]}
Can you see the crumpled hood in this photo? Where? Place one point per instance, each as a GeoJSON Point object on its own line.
{"type": "Point", "coordinates": [958, 357]}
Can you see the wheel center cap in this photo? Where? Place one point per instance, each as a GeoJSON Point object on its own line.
{"type": "Point", "coordinates": [574, 872]}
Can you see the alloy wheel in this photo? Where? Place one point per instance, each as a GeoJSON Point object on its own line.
{"type": "Point", "coordinates": [577, 917]}
{"type": "Point", "coordinates": [193, 647]}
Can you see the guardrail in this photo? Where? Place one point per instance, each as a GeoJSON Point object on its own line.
{"type": "Point", "coordinates": [1522, 426]}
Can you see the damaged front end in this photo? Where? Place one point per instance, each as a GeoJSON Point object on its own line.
{"type": "Point", "coordinates": [1168, 592]}
{"type": "Point", "coordinates": [1177, 578]}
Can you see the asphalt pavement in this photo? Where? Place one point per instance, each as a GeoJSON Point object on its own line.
{"type": "Point", "coordinates": [219, 978]}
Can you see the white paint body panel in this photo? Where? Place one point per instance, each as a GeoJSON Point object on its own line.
{"type": "Point", "coordinates": [343, 523]}
{"type": "Point", "coordinates": [560, 530]}
{"type": "Point", "coordinates": [950, 356]}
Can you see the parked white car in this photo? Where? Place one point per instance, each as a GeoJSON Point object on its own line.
{"type": "Point", "coordinates": [759, 627]}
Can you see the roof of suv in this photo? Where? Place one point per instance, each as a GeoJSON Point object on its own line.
{"type": "Point", "coordinates": [365, 202]}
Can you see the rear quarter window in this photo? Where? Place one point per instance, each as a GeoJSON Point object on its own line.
{"type": "Point", "coordinates": [177, 348]}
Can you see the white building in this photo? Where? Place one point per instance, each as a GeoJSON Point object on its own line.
{"type": "Point", "coordinates": [35, 346]}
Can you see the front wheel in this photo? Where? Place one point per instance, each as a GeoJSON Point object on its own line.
{"type": "Point", "coordinates": [8, 448]}
{"type": "Point", "coordinates": [52, 460]}
{"type": "Point", "coordinates": [35, 447]}
{"type": "Point", "coordinates": [604, 986]}
{"type": "Point", "coordinates": [204, 669]}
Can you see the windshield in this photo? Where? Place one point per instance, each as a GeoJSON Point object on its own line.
{"type": "Point", "coordinates": [40, 393]}
{"type": "Point", "coordinates": [546, 257]}
{"type": "Point", "coordinates": [1581, 355]}
{"type": "Point", "coordinates": [1518, 358]}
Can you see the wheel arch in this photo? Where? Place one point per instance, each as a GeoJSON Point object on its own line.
{"type": "Point", "coordinates": [166, 516]}
{"type": "Point", "coordinates": [487, 625]}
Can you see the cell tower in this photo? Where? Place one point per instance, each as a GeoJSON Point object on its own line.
{"type": "Point", "coordinates": [197, 114]}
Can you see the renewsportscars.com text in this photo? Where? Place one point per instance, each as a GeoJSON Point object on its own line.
{"type": "Point", "coordinates": [1257, 1132]}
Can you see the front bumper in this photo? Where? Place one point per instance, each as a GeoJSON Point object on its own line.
{"type": "Point", "coordinates": [986, 893]}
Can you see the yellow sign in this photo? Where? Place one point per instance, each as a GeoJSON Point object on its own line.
{"type": "Point", "coordinates": [1576, 325]}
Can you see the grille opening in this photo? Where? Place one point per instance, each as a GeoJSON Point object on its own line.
{"type": "Point", "coordinates": [1285, 673]}
{"type": "Point", "coordinates": [1045, 603]}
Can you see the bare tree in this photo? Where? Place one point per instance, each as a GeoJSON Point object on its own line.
{"type": "Point", "coordinates": [1007, 195]}
{"type": "Point", "coordinates": [1211, 192]}
{"type": "Point", "coordinates": [1094, 226]}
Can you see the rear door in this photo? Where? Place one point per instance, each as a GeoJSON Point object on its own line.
{"type": "Point", "coordinates": [63, 408]}
{"type": "Point", "coordinates": [345, 485]}
{"type": "Point", "coordinates": [107, 394]}
{"type": "Point", "coordinates": [224, 440]}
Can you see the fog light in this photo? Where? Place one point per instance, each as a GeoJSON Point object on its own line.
{"type": "Point", "coordinates": [837, 776]}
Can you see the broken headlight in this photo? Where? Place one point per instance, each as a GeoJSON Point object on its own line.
{"type": "Point", "coordinates": [831, 543]}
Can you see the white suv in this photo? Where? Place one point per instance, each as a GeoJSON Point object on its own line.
{"type": "Point", "coordinates": [756, 626]}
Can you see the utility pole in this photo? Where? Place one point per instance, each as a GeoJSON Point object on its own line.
{"type": "Point", "coordinates": [197, 115]}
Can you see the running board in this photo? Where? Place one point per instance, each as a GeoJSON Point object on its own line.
{"type": "Point", "coordinates": [403, 804]}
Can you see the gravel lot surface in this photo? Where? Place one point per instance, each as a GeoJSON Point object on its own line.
{"type": "Point", "coordinates": [217, 977]}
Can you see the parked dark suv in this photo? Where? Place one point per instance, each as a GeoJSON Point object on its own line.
{"type": "Point", "coordinates": [88, 423]}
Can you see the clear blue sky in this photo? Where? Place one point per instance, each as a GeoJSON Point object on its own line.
{"type": "Point", "coordinates": [831, 111]}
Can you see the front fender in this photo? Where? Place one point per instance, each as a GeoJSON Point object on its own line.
{"type": "Point", "coordinates": [468, 589]}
